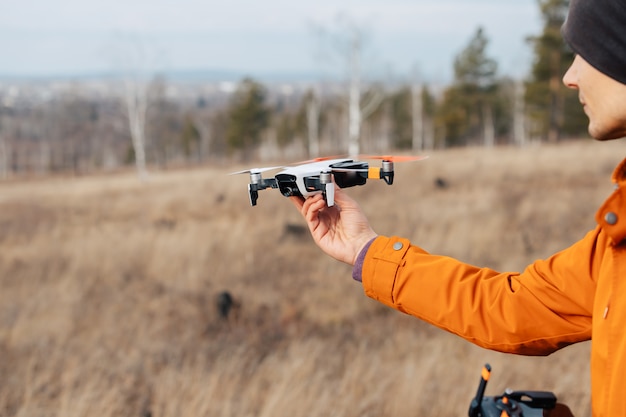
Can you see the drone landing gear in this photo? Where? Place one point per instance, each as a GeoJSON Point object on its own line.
{"type": "Point", "coordinates": [258, 184]}
{"type": "Point", "coordinates": [323, 183]}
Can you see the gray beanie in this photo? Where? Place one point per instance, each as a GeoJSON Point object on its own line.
{"type": "Point", "coordinates": [596, 30]}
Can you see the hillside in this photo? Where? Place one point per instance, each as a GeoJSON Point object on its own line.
{"type": "Point", "coordinates": [108, 286]}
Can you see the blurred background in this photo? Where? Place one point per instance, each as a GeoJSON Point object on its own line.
{"type": "Point", "coordinates": [135, 279]}
{"type": "Point", "coordinates": [91, 86]}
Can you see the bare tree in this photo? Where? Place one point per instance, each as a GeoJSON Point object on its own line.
{"type": "Point", "coordinates": [519, 118]}
{"type": "Point", "coordinates": [312, 122]}
{"type": "Point", "coordinates": [418, 116]}
{"type": "Point", "coordinates": [348, 41]}
{"type": "Point", "coordinates": [136, 96]}
{"type": "Point", "coordinates": [358, 109]}
{"type": "Point", "coordinates": [138, 62]}
{"type": "Point", "coordinates": [421, 114]}
{"type": "Point", "coordinates": [489, 131]}
{"type": "Point", "coordinates": [4, 150]}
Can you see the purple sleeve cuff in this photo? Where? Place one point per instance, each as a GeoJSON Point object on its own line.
{"type": "Point", "coordinates": [357, 269]}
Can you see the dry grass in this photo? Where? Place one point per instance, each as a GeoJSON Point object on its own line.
{"type": "Point", "coordinates": [107, 289]}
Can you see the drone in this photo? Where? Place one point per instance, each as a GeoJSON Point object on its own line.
{"type": "Point", "coordinates": [319, 176]}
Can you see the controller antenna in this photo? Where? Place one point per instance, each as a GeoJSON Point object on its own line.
{"type": "Point", "coordinates": [474, 409]}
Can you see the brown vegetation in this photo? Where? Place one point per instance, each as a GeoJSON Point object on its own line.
{"type": "Point", "coordinates": [108, 286]}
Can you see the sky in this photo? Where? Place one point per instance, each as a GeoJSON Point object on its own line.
{"type": "Point", "coordinates": [401, 38]}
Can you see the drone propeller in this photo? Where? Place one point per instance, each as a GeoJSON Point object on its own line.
{"type": "Point", "coordinates": [395, 158]}
{"type": "Point", "coordinates": [319, 159]}
{"type": "Point", "coordinates": [349, 169]}
{"type": "Point", "coordinates": [255, 170]}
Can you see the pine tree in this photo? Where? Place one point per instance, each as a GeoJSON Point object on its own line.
{"type": "Point", "coordinates": [401, 118]}
{"type": "Point", "coordinates": [552, 108]}
{"type": "Point", "coordinates": [472, 67]}
{"type": "Point", "coordinates": [248, 116]}
{"type": "Point", "coordinates": [189, 137]}
{"type": "Point", "coordinates": [467, 111]}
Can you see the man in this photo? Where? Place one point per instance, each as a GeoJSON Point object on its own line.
{"type": "Point", "coordinates": [576, 293]}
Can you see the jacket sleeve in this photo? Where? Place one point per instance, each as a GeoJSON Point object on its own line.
{"type": "Point", "coordinates": [536, 312]}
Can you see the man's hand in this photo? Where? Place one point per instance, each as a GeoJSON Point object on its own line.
{"type": "Point", "coordinates": [341, 230]}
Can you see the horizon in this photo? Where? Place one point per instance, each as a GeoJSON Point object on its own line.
{"type": "Point", "coordinates": [400, 39]}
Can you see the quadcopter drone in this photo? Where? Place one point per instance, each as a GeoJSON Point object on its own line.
{"type": "Point", "coordinates": [319, 176]}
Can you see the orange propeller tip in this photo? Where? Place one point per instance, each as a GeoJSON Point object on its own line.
{"type": "Point", "coordinates": [319, 159]}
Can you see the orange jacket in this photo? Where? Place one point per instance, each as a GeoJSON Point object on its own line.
{"type": "Point", "coordinates": [577, 292]}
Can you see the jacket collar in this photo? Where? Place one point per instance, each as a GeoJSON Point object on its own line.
{"type": "Point", "coordinates": [619, 175]}
{"type": "Point", "coordinates": [612, 214]}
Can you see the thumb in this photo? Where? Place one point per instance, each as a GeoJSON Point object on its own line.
{"type": "Point", "coordinates": [342, 198]}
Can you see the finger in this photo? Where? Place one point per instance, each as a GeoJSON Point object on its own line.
{"type": "Point", "coordinates": [310, 200]}
{"type": "Point", "coordinates": [312, 207]}
{"type": "Point", "coordinates": [342, 198]}
{"type": "Point", "coordinates": [297, 201]}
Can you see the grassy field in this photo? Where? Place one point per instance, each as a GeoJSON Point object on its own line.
{"type": "Point", "coordinates": [108, 286]}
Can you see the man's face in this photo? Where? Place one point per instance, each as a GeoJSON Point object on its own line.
{"type": "Point", "coordinates": [603, 99]}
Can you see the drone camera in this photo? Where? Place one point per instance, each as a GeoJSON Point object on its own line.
{"type": "Point", "coordinates": [288, 192]}
{"type": "Point", "coordinates": [287, 185]}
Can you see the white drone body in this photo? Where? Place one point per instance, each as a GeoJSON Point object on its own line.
{"type": "Point", "coordinates": [320, 177]}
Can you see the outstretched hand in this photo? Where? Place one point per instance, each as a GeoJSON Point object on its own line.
{"type": "Point", "coordinates": [341, 230]}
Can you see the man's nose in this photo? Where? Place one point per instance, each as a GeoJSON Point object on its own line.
{"type": "Point", "coordinates": [570, 79]}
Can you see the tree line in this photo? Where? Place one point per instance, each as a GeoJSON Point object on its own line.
{"type": "Point", "coordinates": [143, 125]}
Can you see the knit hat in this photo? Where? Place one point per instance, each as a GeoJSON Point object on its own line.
{"type": "Point", "coordinates": [596, 30]}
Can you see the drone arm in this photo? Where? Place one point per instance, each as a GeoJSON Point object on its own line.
{"type": "Point", "coordinates": [373, 173]}
{"type": "Point", "coordinates": [270, 183]}
{"type": "Point", "coordinates": [384, 173]}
